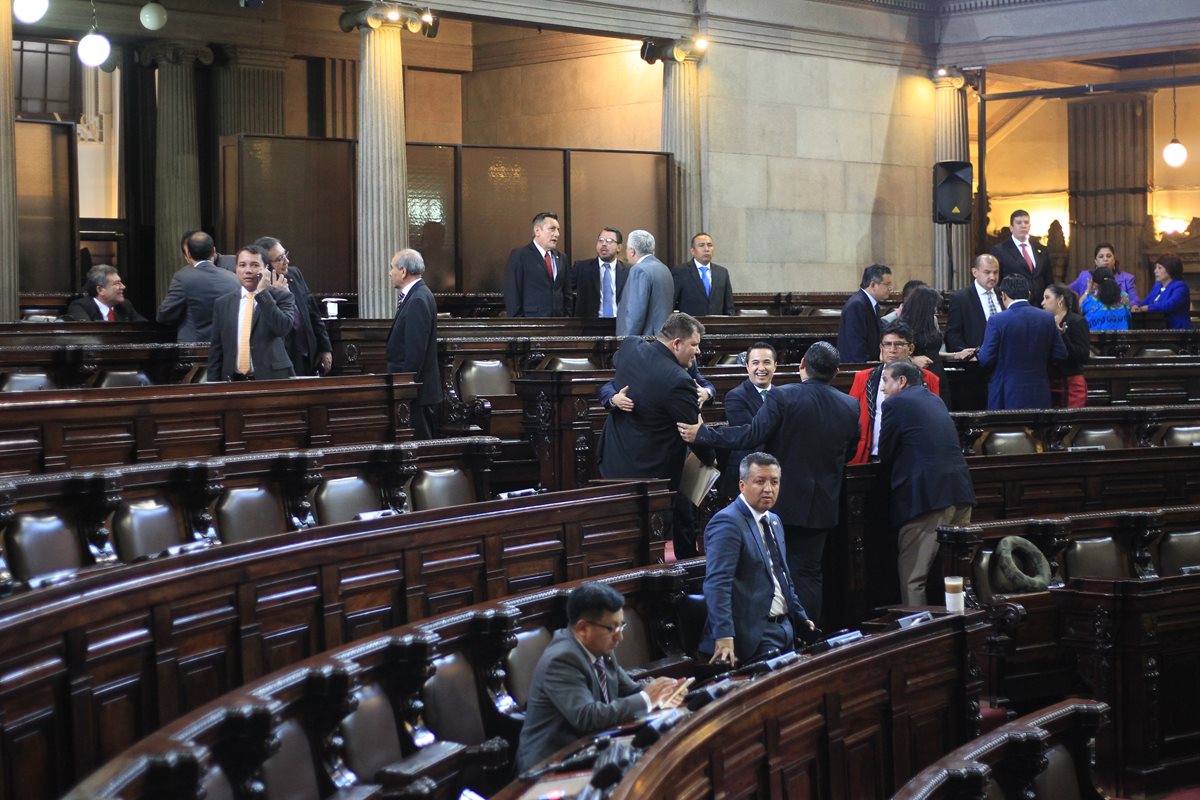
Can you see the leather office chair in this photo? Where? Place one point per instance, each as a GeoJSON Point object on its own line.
{"type": "Point", "coordinates": [1007, 443]}
{"type": "Point", "coordinates": [1181, 436]}
{"type": "Point", "coordinates": [343, 499]}
{"type": "Point", "coordinates": [118, 378]}
{"type": "Point", "coordinates": [1108, 438]}
{"type": "Point", "coordinates": [566, 364]}
{"type": "Point", "coordinates": [438, 488]}
{"type": "Point", "coordinates": [523, 659]}
{"type": "Point", "coordinates": [289, 774]}
{"type": "Point", "coordinates": [40, 545]}
{"type": "Point", "coordinates": [1177, 550]}
{"type": "Point", "coordinates": [1156, 352]}
{"type": "Point", "coordinates": [26, 382]}
{"type": "Point", "coordinates": [753, 312]}
{"type": "Point", "coordinates": [249, 512]}
{"type": "Point", "coordinates": [1096, 558]}
{"type": "Point", "coordinates": [483, 377]}
{"type": "Point", "coordinates": [146, 528]}
{"type": "Point", "coordinates": [731, 359]}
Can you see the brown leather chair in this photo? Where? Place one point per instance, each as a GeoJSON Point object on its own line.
{"type": "Point", "coordinates": [289, 774]}
{"type": "Point", "coordinates": [1059, 780]}
{"type": "Point", "coordinates": [1109, 438]}
{"type": "Point", "coordinates": [753, 312]}
{"type": "Point", "coordinates": [1181, 436]}
{"type": "Point", "coordinates": [483, 377]}
{"type": "Point", "coordinates": [523, 659]}
{"type": "Point", "coordinates": [41, 545]}
{"type": "Point", "coordinates": [1156, 352]}
{"type": "Point", "coordinates": [371, 733]}
{"type": "Point", "coordinates": [1096, 558]}
{"type": "Point", "coordinates": [438, 488]}
{"type": "Point", "coordinates": [1008, 443]}
{"type": "Point", "coordinates": [26, 382]}
{"type": "Point", "coordinates": [1177, 550]}
{"type": "Point", "coordinates": [731, 359]}
{"type": "Point", "coordinates": [343, 499]}
{"type": "Point", "coordinates": [566, 364]}
{"type": "Point", "coordinates": [827, 312]}
{"type": "Point", "coordinates": [451, 695]}
{"type": "Point", "coordinates": [146, 528]}
{"type": "Point", "coordinates": [249, 512]}
{"type": "Point", "coordinates": [119, 378]}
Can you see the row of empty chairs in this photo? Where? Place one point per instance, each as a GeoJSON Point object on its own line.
{"type": "Point", "coordinates": [33, 381]}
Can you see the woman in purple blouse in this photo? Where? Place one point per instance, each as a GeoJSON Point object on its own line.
{"type": "Point", "coordinates": [1106, 256]}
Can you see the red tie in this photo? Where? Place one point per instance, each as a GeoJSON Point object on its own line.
{"type": "Point", "coordinates": [549, 267]}
{"type": "Point", "coordinates": [1025, 254]}
{"type": "Point", "coordinates": [112, 315]}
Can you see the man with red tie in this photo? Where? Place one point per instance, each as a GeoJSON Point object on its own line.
{"type": "Point", "coordinates": [536, 274]}
{"type": "Point", "coordinates": [103, 300]}
{"type": "Point", "coordinates": [1021, 255]}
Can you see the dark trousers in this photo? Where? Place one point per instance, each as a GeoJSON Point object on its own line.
{"type": "Point", "coordinates": [424, 421]}
{"type": "Point", "coordinates": [777, 637]}
{"type": "Point", "coordinates": [805, 551]}
{"type": "Point", "coordinates": [683, 527]}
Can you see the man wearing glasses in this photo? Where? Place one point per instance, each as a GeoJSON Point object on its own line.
{"type": "Point", "coordinates": [578, 688]}
{"type": "Point", "coordinates": [895, 344]}
{"type": "Point", "coordinates": [308, 342]}
{"type": "Point", "coordinates": [595, 284]}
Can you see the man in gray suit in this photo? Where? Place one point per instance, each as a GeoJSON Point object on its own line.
{"type": "Point", "coordinates": [649, 290]}
{"type": "Point", "coordinates": [194, 289]}
{"type": "Point", "coordinates": [263, 303]}
{"type": "Point", "coordinates": [578, 688]}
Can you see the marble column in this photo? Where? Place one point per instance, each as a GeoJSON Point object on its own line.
{"type": "Point", "coordinates": [249, 90]}
{"type": "Point", "coordinates": [681, 137]}
{"type": "Point", "coordinates": [9, 251]}
{"type": "Point", "coordinates": [176, 160]}
{"type": "Point", "coordinates": [382, 165]}
{"type": "Point", "coordinates": [952, 243]}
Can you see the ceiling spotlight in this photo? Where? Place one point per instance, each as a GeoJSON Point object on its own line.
{"type": "Point", "coordinates": [430, 29]}
{"type": "Point", "coordinates": [30, 11]}
{"type": "Point", "coordinates": [393, 14]}
{"type": "Point", "coordinates": [942, 72]}
{"type": "Point", "coordinates": [427, 16]}
{"type": "Point", "coordinates": [94, 48]}
{"type": "Point", "coordinates": [687, 48]}
{"type": "Point", "coordinates": [653, 50]}
{"type": "Point", "coordinates": [153, 16]}
{"type": "Point", "coordinates": [701, 43]}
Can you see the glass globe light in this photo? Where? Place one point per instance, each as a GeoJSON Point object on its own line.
{"type": "Point", "coordinates": [153, 16]}
{"type": "Point", "coordinates": [30, 11]}
{"type": "Point", "coordinates": [1175, 153]}
{"type": "Point", "coordinates": [93, 49]}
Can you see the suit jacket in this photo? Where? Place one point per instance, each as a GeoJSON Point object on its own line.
{"type": "Point", "coordinates": [689, 291]}
{"type": "Point", "coordinates": [737, 580]}
{"type": "Point", "coordinates": [305, 343]}
{"type": "Point", "coordinates": [228, 262]}
{"type": "Point", "coordinates": [1019, 345]}
{"type": "Point", "coordinates": [858, 330]}
{"type": "Point", "coordinates": [742, 402]}
{"type": "Point", "coordinates": [412, 343]}
{"type": "Point", "coordinates": [84, 309]}
{"type": "Point", "coordinates": [812, 429]}
{"type": "Point", "coordinates": [606, 392]}
{"type": "Point", "coordinates": [648, 299]}
{"type": "Point", "coordinates": [865, 390]}
{"type": "Point", "coordinates": [583, 285]}
{"type": "Point", "coordinates": [645, 443]}
{"type": "Point", "coordinates": [528, 290]}
{"type": "Point", "coordinates": [270, 325]}
{"type": "Point", "coordinates": [565, 703]}
{"type": "Point", "coordinates": [967, 319]}
{"type": "Point", "coordinates": [190, 298]}
{"type": "Point", "coordinates": [919, 444]}
{"type": "Point", "coordinates": [1011, 263]}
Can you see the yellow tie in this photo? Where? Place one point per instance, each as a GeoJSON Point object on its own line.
{"type": "Point", "coordinates": [247, 319]}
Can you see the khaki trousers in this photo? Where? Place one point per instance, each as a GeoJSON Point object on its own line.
{"type": "Point", "coordinates": [918, 547]}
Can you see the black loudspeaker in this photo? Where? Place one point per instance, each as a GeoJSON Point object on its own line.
{"type": "Point", "coordinates": [952, 191]}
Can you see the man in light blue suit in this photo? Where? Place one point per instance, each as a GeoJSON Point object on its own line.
{"type": "Point", "coordinates": [649, 292]}
{"type": "Point", "coordinates": [753, 610]}
{"type": "Point", "coordinates": [1018, 345]}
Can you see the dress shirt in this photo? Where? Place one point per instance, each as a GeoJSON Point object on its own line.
{"type": "Point", "coordinates": [591, 657]}
{"type": "Point", "coordinates": [778, 604]}
{"type": "Point", "coordinates": [874, 302]}
{"type": "Point", "coordinates": [542, 252]}
{"type": "Point", "coordinates": [1028, 245]}
{"type": "Point", "coordinates": [241, 303]}
{"type": "Point", "coordinates": [103, 308]}
{"type": "Point", "coordinates": [879, 398]}
{"type": "Point", "coordinates": [983, 301]}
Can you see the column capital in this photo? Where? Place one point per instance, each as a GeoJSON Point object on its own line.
{"type": "Point", "coordinates": [362, 15]}
{"type": "Point", "coordinates": [953, 79]}
{"type": "Point", "coordinates": [252, 57]}
{"type": "Point", "coordinates": [168, 52]}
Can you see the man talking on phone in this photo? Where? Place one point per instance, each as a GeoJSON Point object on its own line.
{"type": "Point", "coordinates": [250, 325]}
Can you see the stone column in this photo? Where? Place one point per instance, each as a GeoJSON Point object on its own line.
{"type": "Point", "coordinates": [382, 165]}
{"type": "Point", "coordinates": [176, 160]}
{"type": "Point", "coordinates": [249, 91]}
{"type": "Point", "coordinates": [951, 144]}
{"type": "Point", "coordinates": [681, 137]}
{"type": "Point", "coordinates": [9, 251]}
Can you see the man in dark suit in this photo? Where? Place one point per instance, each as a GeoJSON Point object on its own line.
{"type": "Point", "coordinates": [535, 277]}
{"type": "Point", "coordinates": [753, 610]}
{"type": "Point", "coordinates": [194, 289]}
{"type": "Point", "coordinates": [858, 329]}
{"type": "Point", "coordinates": [702, 288]}
{"type": "Point", "coordinates": [578, 687]}
{"type": "Point", "coordinates": [742, 402]}
{"type": "Point", "coordinates": [812, 428]}
{"type": "Point", "coordinates": [1021, 255]}
{"type": "Point", "coordinates": [595, 284]}
{"type": "Point", "coordinates": [412, 343]}
{"type": "Point", "coordinates": [930, 482]}
{"type": "Point", "coordinates": [103, 300]}
{"type": "Point", "coordinates": [262, 302]}
{"type": "Point", "coordinates": [1019, 345]}
{"type": "Point", "coordinates": [308, 342]}
{"type": "Point", "coordinates": [972, 306]}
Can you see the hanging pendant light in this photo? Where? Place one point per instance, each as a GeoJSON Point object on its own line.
{"type": "Point", "coordinates": [93, 49]}
{"type": "Point", "coordinates": [30, 11]}
{"type": "Point", "coordinates": [1175, 154]}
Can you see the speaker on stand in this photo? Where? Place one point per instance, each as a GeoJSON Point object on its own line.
{"type": "Point", "coordinates": [951, 199]}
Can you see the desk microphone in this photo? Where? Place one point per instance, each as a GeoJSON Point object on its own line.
{"type": "Point", "coordinates": [697, 699]}
{"type": "Point", "coordinates": [653, 731]}
{"type": "Point", "coordinates": [583, 759]}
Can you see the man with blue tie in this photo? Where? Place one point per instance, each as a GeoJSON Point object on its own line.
{"type": "Point", "coordinates": [595, 284]}
{"type": "Point", "coordinates": [702, 288]}
{"type": "Point", "coordinates": [753, 610]}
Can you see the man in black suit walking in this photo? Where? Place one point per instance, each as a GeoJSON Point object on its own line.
{"type": "Point", "coordinates": [308, 343]}
{"type": "Point", "coordinates": [412, 344]}
{"type": "Point", "coordinates": [702, 288]}
{"type": "Point", "coordinates": [858, 329]}
{"type": "Point", "coordinates": [595, 284]}
{"type": "Point", "coordinates": [535, 277]}
{"type": "Point", "coordinates": [971, 307]}
{"type": "Point", "coordinates": [103, 300]}
{"type": "Point", "coordinates": [812, 428]}
{"type": "Point", "coordinates": [930, 482]}
{"type": "Point", "coordinates": [1021, 255]}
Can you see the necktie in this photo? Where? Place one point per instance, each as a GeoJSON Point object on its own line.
{"type": "Point", "coordinates": [706, 279]}
{"type": "Point", "coordinates": [1025, 255]}
{"type": "Point", "coordinates": [776, 557]}
{"type": "Point", "coordinates": [606, 291]}
{"type": "Point", "coordinates": [244, 325]}
{"type": "Point", "coordinates": [602, 677]}
{"type": "Point", "coordinates": [991, 303]}
{"type": "Point", "coordinates": [763, 392]}
{"type": "Point", "coordinates": [549, 266]}
{"type": "Point", "coordinates": [112, 315]}
{"type": "Point", "coordinates": [399, 301]}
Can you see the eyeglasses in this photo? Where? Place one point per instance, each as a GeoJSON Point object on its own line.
{"type": "Point", "coordinates": [606, 240]}
{"type": "Point", "coordinates": [895, 345]}
{"type": "Point", "coordinates": [277, 259]}
{"type": "Point", "coordinates": [612, 629]}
